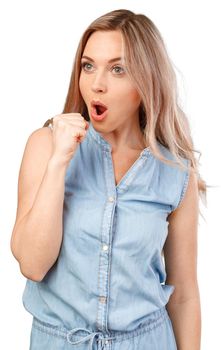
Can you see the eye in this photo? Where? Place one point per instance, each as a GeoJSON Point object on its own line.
{"type": "Point", "coordinates": [84, 64]}
{"type": "Point", "coordinates": [87, 67]}
{"type": "Point", "coordinates": [118, 67]}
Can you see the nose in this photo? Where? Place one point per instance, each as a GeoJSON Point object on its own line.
{"type": "Point", "coordinates": [99, 83]}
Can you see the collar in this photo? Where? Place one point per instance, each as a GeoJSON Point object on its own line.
{"type": "Point", "coordinates": [98, 137]}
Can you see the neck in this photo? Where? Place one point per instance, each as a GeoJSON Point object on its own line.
{"type": "Point", "coordinates": [125, 138]}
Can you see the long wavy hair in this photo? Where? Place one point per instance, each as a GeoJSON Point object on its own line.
{"type": "Point", "coordinates": [150, 68]}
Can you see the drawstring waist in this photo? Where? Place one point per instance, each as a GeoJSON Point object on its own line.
{"type": "Point", "coordinates": [84, 335]}
{"type": "Point", "coordinates": [91, 336]}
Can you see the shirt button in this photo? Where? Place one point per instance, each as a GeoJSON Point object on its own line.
{"type": "Point", "coordinates": [102, 299]}
{"type": "Point", "coordinates": [111, 199]}
{"type": "Point", "coordinates": [105, 247]}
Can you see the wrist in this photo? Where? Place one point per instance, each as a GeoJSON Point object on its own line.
{"type": "Point", "coordinates": [57, 162]}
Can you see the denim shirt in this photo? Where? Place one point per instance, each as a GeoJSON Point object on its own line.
{"type": "Point", "coordinates": [110, 272]}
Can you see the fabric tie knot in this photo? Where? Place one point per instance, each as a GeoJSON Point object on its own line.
{"type": "Point", "coordinates": [89, 336]}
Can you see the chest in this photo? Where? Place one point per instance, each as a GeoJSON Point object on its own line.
{"type": "Point", "coordinates": [122, 162]}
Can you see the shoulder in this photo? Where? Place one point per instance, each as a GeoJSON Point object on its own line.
{"type": "Point", "coordinates": [170, 156]}
{"type": "Point", "coordinates": [41, 133]}
{"type": "Point", "coordinates": [38, 145]}
{"type": "Point", "coordinates": [39, 140]}
{"type": "Point", "coordinates": [169, 170]}
{"type": "Point", "coordinates": [172, 178]}
{"type": "Point", "coordinates": [37, 150]}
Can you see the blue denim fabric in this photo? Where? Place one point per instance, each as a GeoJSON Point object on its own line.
{"type": "Point", "coordinates": [110, 275]}
{"type": "Point", "coordinates": [155, 333]}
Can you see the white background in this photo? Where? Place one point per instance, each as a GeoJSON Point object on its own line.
{"type": "Point", "coordinates": [38, 43]}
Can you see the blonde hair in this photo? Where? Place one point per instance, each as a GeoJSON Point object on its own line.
{"type": "Point", "coordinates": [150, 68]}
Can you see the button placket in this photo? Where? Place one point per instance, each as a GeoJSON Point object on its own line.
{"type": "Point", "coordinates": [104, 267]}
{"type": "Point", "coordinates": [105, 247]}
{"type": "Point", "coordinates": [111, 199]}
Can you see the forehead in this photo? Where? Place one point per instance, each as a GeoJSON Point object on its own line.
{"type": "Point", "coordinates": [104, 45]}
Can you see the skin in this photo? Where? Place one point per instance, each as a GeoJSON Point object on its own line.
{"type": "Point", "coordinates": [110, 83]}
{"type": "Point", "coordinates": [180, 252]}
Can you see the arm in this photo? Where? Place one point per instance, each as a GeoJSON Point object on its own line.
{"type": "Point", "coordinates": [37, 232]}
{"type": "Point", "coordinates": [180, 253]}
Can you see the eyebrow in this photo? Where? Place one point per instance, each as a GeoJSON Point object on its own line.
{"type": "Point", "coordinates": [111, 60]}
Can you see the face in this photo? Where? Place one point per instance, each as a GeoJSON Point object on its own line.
{"type": "Point", "coordinates": [108, 81]}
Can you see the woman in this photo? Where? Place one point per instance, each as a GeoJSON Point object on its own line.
{"type": "Point", "coordinates": [106, 226]}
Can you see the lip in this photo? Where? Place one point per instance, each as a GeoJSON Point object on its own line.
{"type": "Point", "coordinates": [97, 103]}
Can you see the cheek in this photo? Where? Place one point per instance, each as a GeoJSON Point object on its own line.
{"type": "Point", "coordinates": [126, 92]}
{"type": "Point", "coordinates": [131, 96]}
{"type": "Point", "coordinates": [134, 96]}
{"type": "Point", "coordinates": [82, 85]}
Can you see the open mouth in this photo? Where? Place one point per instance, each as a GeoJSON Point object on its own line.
{"type": "Point", "coordinates": [100, 109]}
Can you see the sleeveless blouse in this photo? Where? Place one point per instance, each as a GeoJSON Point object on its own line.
{"type": "Point", "coordinates": [110, 273]}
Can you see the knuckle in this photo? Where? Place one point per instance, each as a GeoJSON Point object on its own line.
{"type": "Point", "coordinates": [76, 114]}
{"type": "Point", "coordinates": [60, 122]}
{"type": "Point", "coordinates": [56, 118]}
{"type": "Point", "coordinates": [83, 123]}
